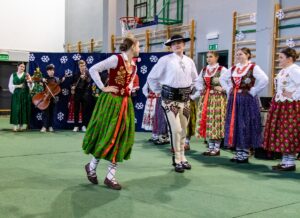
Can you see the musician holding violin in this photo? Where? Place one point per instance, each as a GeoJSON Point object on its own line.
{"type": "Point", "coordinates": [46, 100]}
{"type": "Point", "coordinates": [82, 95]}
{"type": "Point", "coordinates": [19, 84]}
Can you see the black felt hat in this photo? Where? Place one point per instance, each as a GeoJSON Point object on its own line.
{"type": "Point", "coordinates": [176, 38]}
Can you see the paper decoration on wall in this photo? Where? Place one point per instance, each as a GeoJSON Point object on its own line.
{"type": "Point", "coordinates": [253, 17]}
{"type": "Point", "coordinates": [290, 43]}
{"type": "Point", "coordinates": [240, 36]}
{"type": "Point", "coordinates": [280, 14]}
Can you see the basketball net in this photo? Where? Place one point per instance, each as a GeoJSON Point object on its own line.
{"type": "Point", "coordinates": [127, 24]}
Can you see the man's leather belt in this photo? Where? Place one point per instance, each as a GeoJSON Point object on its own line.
{"type": "Point", "coordinates": [176, 94]}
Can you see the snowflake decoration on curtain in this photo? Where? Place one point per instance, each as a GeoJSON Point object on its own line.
{"type": "Point", "coordinates": [31, 57]}
{"type": "Point", "coordinates": [240, 36]}
{"type": "Point", "coordinates": [135, 120]}
{"type": "Point", "coordinates": [280, 14]}
{"type": "Point", "coordinates": [253, 17]}
{"type": "Point", "coordinates": [90, 60]}
{"type": "Point", "coordinates": [68, 72]}
{"type": "Point", "coordinates": [39, 116]}
{"type": "Point", "coordinates": [60, 116]}
{"type": "Point", "coordinates": [290, 43]}
{"type": "Point", "coordinates": [45, 59]}
{"type": "Point", "coordinates": [76, 57]}
{"type": "Point", "coordinates": [139, 60]}
{"type": "Point", "coordinates": [63, 59]}
{"type": "Point", "coordinates": [139, 106]}
{"type": "Point", "coordinates": [153, 58]}
{"type": "Point", "coordinates": [65, 91]}
{"type": "Point", "coordinates": [144, 69]}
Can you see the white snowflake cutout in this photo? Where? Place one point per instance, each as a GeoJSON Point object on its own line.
{"type": "Point", "coordinates": [153, 58]}
{"type": "Point", "coordinates": [64, 59]}
{"type": "Point", "coordinates": [45, 58]}
{"type": "Point", "coordinates": [31, 57]}
{"type": "Point", "coordinates": [290, 43]}
{"type": "Point", "coordinates": [139, 60]}
{"type": "Point", "coordinates": [89, 60]}
{"type": "Point", "coordinates": [280, 14]}
{"type": "Point", "coordinates": [76, 57]}
{"type": "Point", "coordinates": [60, 116]}
{"type": "Point", "coordinates": [65, 91]}
{"type": "Point", "coordinates": [139, 106]}
{"type": "Point", "coordinates": [253, 17]}
{"type": "Point", "coordinates": [144, 69]}
{"type": "Point", "coordinates": [240, 36]}
{"type": "Point", "coordinates": [68, 72]}
{"type": "Point", "coordinates": [135, 120]}
{"type": "Point", "coordinates": [39, 116]}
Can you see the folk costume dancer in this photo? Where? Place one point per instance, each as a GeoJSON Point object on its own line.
{"type": "Point", "coordinates": [242, 82]}
{"type": "Point", "coordinates": [110, 133]}
{"type": "Point", "coordinates": [282, 130]}
{"type": "Point", "coordinates": [212, 104]}
{"type": "Point", "coordinates": [173, 78]}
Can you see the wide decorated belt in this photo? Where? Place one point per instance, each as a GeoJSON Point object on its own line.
{"type": "Point", "coordinates": [176, 94]}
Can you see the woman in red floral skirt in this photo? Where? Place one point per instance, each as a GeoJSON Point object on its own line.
{"type": "Point", "coordinates": [282, 133]}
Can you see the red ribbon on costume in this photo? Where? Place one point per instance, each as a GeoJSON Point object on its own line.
{"type": "Point", "coordinates": [122, 114]}
{"type": "Point", "coordinates": [237, 81]}
{"type": "Point", "coordinates": [202, 127]}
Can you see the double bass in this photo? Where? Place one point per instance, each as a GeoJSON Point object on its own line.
{"type": "Point", "coordinates": [42, 100]}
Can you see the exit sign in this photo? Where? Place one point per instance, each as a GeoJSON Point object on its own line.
{"type": "Point", "coordinates": [213, 47]}
{"type": "Point", "coordinates": [4, 57]}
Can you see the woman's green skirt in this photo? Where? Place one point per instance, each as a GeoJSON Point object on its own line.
{"type": "Point", "coordinates": [110, 133]}
{"type": "Point", "coordinates": [20, 106]}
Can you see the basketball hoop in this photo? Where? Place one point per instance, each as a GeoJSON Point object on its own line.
{"type": "Point", "coordinates": [128, 23]}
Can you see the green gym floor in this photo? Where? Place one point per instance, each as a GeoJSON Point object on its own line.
{"type": "Point", "coordinates": [42, 175]}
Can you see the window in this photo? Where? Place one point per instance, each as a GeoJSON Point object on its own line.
{"type": "Point", "coordinates": [140, 8]}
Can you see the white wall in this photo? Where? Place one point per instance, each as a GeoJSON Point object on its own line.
{"type": "Point", "coordinates": [32, 25]}
{"type": "Point", "coordinates": [84, 20]}
{"type": "Point", "coordinates": [215, 16]}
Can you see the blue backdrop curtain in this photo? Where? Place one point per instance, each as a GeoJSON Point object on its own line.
{"type": "Point", "coordinates": [66, 63]}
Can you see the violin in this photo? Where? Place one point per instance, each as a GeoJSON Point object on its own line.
{"type": "Point", "coordinates": [81, 76]}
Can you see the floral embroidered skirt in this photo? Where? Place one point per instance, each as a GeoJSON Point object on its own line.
{"type": "Point", "coordinates": [216, 111]}
{"type": "Point", "coordinates": [110, 133]}
{"type": "Point", "coordinates": [282, 130]}
{"type": "Point", "coordinates": [192, 121]}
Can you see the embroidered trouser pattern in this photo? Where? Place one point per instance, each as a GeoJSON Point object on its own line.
{"type": "Point", "coordinates": [177, 115]}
